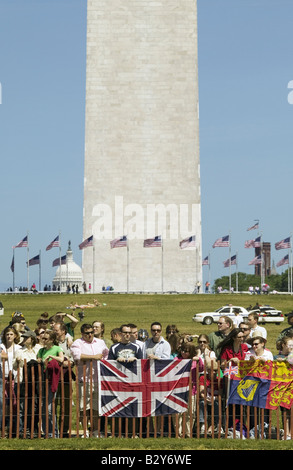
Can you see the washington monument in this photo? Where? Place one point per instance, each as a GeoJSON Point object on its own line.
{"type": "Point", "coordinates": [142, 168]}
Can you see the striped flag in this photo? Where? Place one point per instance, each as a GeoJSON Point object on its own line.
{"type": "Point", "coordinates": [283, 244]}
{"type": "Point", "coordinates": [119, 242]}
{"type": "Point", "coordinates": [88, 242]}
{"type": "Point", "coordinates": [257, 242]}
{"type": "Point", "coordinates": [256, 260]}
{"type": "Point", "coordinates": [205, 261]}
{"type": "Point", "coordinates": [33, 261]}
{"type": "Point", "coordinates": [56, 261]}
{"type": "Point", "coordinates": [283, 261]}
{"type": "Point", "coordinates": [187, 242]}
{"type": "Point", "coordinates": [152, 242]}
{"type": "Point", "coordinates": [233, 260]}
{"type": "Point", "coordinates": [224, 241]}
{"type": "Point", "coordinates": [54, 243]}
{"type": "Point", "coordinates": [255, 226]}
{"type": "Point", "coordinates": [22, 243]}
{"type": "Point", "coordinates": [249, 244]}
{"type": "Point", "coordinates": [12, 264]}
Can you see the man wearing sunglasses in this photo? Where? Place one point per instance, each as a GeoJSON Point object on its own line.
{"type": "Point", "coordinates": [125, 350]}
{"type": "Point", "coordinates": [156, 347]}
{"type": "Point", "coordinates": [86, 352]}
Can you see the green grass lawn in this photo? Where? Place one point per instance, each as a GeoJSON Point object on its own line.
{"type": "Point", "coordinates": [141, 310]}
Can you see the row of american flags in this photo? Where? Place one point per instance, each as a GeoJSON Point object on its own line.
{"type": "Point", "coordinates": [253, 243]}
{"type": "Point", "coordinates": [189, 242]}
{"type": "Point", "coordinates": [157, 241]}
{"type": "Point", "coordinates": [88, 242]}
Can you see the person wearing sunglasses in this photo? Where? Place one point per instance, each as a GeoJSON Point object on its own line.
{"type": "Point", "coordinates": [156, 347]}
{"type": "Point", "coordinates": [258, 349]}
{"type": "Point", "coordinates": [125, 350]}
{"type": "Point", "coordinates": [86, 352]}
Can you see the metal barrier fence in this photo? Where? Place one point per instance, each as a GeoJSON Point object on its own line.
{"type": "Point", "coordinates": [30, 409]}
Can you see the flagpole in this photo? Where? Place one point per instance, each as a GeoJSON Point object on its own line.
{"type": "Point", "coordinates": [13, 277]}
{"type": "Point", "coordinates": [93, 268]}
{"type": "Point", "coordinates": [127, 246]}
{"type": "Point", "coordinates": [162, 267]}
{"type": "Point", "coordinates": [229, 262]}
{"type": "Point", "coordinates": [209, 272]}
{"type": "Point", "coordinates": [236, 271]}
{"type": "Point", "coordinates": [40, 283]}
{"type": "Point", "coordinates": [59, 261]}
{"type": "Point", "coordinates": [27, 250]}
{"type": "Point", "coordinates": [290, 265]}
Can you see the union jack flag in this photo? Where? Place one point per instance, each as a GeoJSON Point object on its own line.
{"type": "Point", "coordinates": [230, 370]}
{"type": "Point", "coordinates": [143, 388]}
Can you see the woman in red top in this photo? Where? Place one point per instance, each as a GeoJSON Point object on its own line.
{"type": "Point", "coordinates": [232, 348]}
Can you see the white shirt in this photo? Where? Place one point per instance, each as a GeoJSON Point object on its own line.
{"type": "Point", "coordinates": [258, 330]}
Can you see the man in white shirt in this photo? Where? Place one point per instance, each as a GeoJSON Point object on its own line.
{"type": "Point", "coordinates": [156, 347]}
{"type": "Point", "coordinates": [252, 321]}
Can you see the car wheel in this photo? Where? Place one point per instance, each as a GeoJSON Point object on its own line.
{"type": "Point", "coordinates": [208, 321]}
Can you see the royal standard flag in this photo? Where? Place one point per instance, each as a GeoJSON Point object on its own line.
{"type": "Point", "coordinates": [262, 384]}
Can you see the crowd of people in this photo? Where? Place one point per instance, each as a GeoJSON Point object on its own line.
{"type": "Point", "coordinates": [53, 343]}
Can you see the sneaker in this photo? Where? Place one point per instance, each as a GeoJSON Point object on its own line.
{"type": "Point", "coordinates": [202, 429]}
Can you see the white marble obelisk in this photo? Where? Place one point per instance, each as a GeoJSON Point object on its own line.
{"type": "Point", "coordinates": [142, 169]}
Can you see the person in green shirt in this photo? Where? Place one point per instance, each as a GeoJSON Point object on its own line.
{"type": "Point", "coordinates": [50, 351]}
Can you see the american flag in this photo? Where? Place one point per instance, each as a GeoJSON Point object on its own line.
{"type": "Point", "coordinates": [205, 261]}
{"type": "Point", "coordinates": [283, 261]}
{"type": "Point", "coordinates": [54, 243]}
{"type": "Point", "coordinates": [119, 242]}
{"type": "Point", "coordinates": [144, 387]}
{"type": "Point", "coordinates": [256, 260]}
{"type": "Point", "coordinates": [283, 244]}
{"type": "Point", "coordinates": [187, 242]}
{"type": "Point", "coordinates": [34, 260]}
{"type": "Point", "coordinates": [151, 242]}
{"type": "Point", "coordinates": [22, 243]}
{"type": "Point", "coordinates": [249, 244]}
{"type": "Point", "coordinates": [224, 241]}
{"type": "Point", "coordinates": [12, 264]}
{"type": "Point", "coordinates": [233, 261]}
{"type": "Point", "coordinates": [257, 242]}
{"type": "Point", "coordinates": [88, 242]}
{"type": "Point", "coordinates": [56, 261]}
{"type": "Point", "coordinates": [255, 226]}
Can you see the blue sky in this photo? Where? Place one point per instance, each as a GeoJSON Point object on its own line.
{"type": "Point", "coordinates": [246, 128]}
